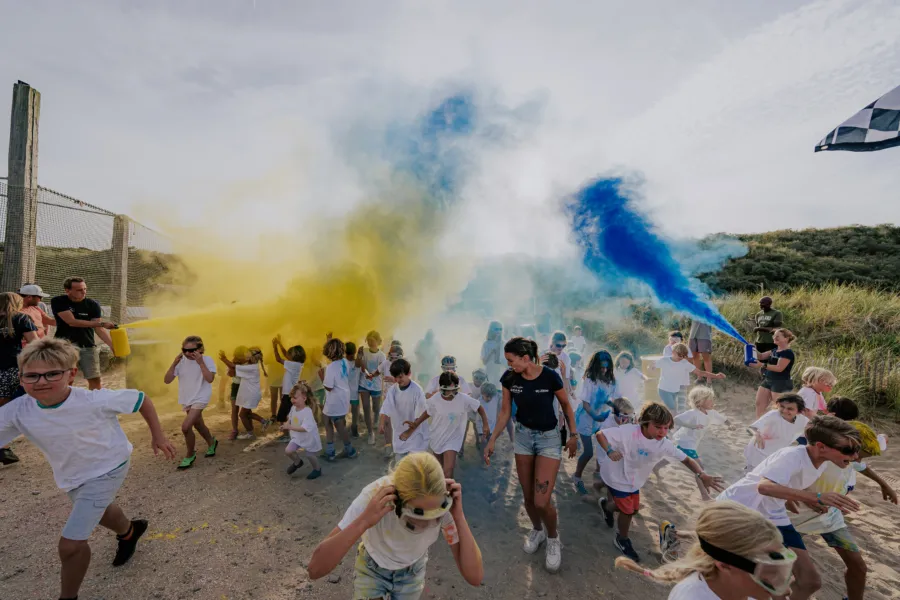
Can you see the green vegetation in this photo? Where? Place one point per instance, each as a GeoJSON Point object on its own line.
{"type": "Point", "coordinates": [784, 260]}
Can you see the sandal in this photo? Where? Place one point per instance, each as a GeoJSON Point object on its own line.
{"type": "Point", "coordinates": [187, 463]}
{"type": "Point", "coordinates": [211, 451]}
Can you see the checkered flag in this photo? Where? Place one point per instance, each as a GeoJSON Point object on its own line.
{"type": "Point", "coordinates": [875, 127]}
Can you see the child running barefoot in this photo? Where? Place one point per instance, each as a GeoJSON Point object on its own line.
{"type": "Point", "coordinates": [336, 379]}
{"type": "Point", "coordinates": [303, 427]}
{"type": "Point", "coordinates": [370, 389]}
{"type": "Point", "coordinates": [292, 360]}
{"type": "Point", "coordinates": [85, 446]}
{"type": "Point", "coordinates": [195, 373]}
{"type": "Point", "coordinates": [816, 383]}
{"type": "Point", "coordinates": [776, 429]}
{"type": "Point", "coordinates": [633, 450]}
{"type": "Point", "coordinates": [737, 555]}
{"type": "Point", "coordinates": [448, 421]}
{"type": "Point", "coordinates": [786, 475]}
{"type": "Point", "coordinates": [694, 423]}
{"type": "Point", "coordinates": [596, 395]}
{"type": "Point", "coordinates": [398, 518]}
{"type": "Point", "coordinates": [404, 402]}
{"type": "Point", "coordinates": [629, 380]}
{"type": "Point", "coordinates": [674, 375]}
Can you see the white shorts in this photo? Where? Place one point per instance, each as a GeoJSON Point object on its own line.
{"type": "Point", "coordinates": [196, 405]}
{"type": "Point", "coordinates": [89, 502]}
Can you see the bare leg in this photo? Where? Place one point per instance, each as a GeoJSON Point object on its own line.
{"type": "Point", "coordinates": [246, 420]}
{"type": "Point", "coordinates": [313, 461]}
{"type": "Point", "coordinates": [75, 556]}
{"type": "Point", "coordinates": [545, 470]}
{"type": "Point", "coordinates": [354, 416]}
{"type": "Point", "coordinates": [234, 416]}
{"type": "Point", "coordinates": [187, 430]}
{"type": "Point", "coordinates": [274, 397]}
{"type": "Point", "coordinates": [763, 401]}
{"type": "Point", "coordinates": [366, 399]}
{"type": "Point", "coordinates": [707, 363]}
{"type": "Point", "coordinates": [376, 408]}
{"type": "Point", "coordinates": [449, 463]}
{"type": "Point", "coordinates": [341, 426]}
{"type": "Point", "coordinates": [525, 472]}
{"type": "Point", "coordinates": [115, 520]}
{"type": "Point", "coordinates": [806, 578]}
{"type": "Point", "coordinates": [855, 577]}
{"type": "Point", "coordinates": [202, 429]}
{"type": "Point", "coordinates": [329, 430]}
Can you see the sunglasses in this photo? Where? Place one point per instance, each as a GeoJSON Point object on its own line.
{"type": "Point", "coordinates": [189, 350]}
{"type": "Point", "coordinates": [560, 346]}
{"type": "Point", "coordinates": [846, 450]}
{"type": "Point", "coordinates": [49, 376]}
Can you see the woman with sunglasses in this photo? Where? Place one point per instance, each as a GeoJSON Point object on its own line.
{"type": "Point", "coordinates": [398, 518]}
{"type": "Point", "coordinates": [195, 372]}
{"type": "Point", "coordinates": [737, 555]}
{"type": "Point", "coordinates": [535, 389]}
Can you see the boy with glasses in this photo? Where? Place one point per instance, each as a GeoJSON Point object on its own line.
{"type": "Point", "coordinates": [785, 476]}
{"type": "Point", "coordinates": [78, 431]}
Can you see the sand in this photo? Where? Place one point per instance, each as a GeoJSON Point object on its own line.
{"type": "Point", "coordinates": [236, 526]}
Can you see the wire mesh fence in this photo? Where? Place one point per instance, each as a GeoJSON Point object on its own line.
{"type": "Point", "coordinates": [74, 238]}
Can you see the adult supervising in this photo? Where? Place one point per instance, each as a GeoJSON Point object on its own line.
{"type": "Point", "coordinates": [767, 321]}
{"type": "Point", "coordinates": [77, 317]}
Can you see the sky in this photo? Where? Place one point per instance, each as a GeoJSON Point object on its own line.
{"type": "Point", "coordinates": [244, 115]}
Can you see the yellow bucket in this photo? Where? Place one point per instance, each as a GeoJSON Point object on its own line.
{"type": "Point", "coordinates": [120, 346]}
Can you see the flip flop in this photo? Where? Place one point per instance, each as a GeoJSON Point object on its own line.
{"type": "Point", "coordinates": [187, 463]}
{"type": "Point", "coordinates": [211, 451]}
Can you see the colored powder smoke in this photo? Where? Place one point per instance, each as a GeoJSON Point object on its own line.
{"type": "Point", "coordinates": [616, 240]}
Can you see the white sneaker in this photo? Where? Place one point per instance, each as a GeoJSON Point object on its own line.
{"type": "Point", "coordinates": [553, 558]}
{"type": "Point", "coordinates": [246, 436]}
{"type": "Point", "coordinates": [371, 439]}
{"type": "Point", "coordinates": [534, 540]}
{"type": "Point", "coordinates": [388, 451]}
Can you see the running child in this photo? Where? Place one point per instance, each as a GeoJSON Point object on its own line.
{"type": "Point", "coordinates": [355, 374]}
{"type": "Point", "coordinates": [84, 443]}
{"type": "Point", "coordinates": [622, 413]}
{"type": "Point", "coordinates": [479, 378]}
{"type": "Point", "coordinates": [786, 475]}
{"type": "Point", "coordinates": [370, 390]}
{"type": "Point", "coordinates": [629, 379]}
{"type": "Point", "coordinates": [303, 426]}
{"type": "Point", "coordinates": [737, 555]}
{"type": "Point", "coordinates": [693, 423]}
{"type": "Point", "coordinates": [403, 402]}
{"type": "Point", "coordinates": [448, 421]}
{"type": "Point", "coordinates": [195, 372]}
{"type": "Point", "coordinates": [596, 395]}
{"type": "Point", "coordinates": [397, 518]}
{"type": "Point", "coordinates": [776, 429]}
{"type": "Point", "coordinates": [816, 383]}
{"type": "Point", "coordinates": [448, 365]}
{"type": "Point", "coordinates": [674, 375]}
{"type": "Point", "coordinates": [633, 451]}
{"type": "Point", "coordinates": [489, 398]}
{"type": "Point", "coordinates": [336, 380]}
{"type": "Point", "coordinates": [291, 360]}
{"type": "Point", "coordinates": [238, 357]}
{"type": "Point", "coordinates": [384, 372]}
{"type": "Point", "coordinates": [249, 393]}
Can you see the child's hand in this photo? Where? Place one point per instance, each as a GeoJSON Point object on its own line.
{"type": "Point", "coordinates": [381, 430]}
{"type": "Point", "coordinates": [164, 445]}
{"type": "Point", "coordinates": [713, 482]}
{"type": "Point", "coordinates": [177, 359]}
{"type": "Point", "coordinates": [719, 376]}
{"type": "Point", "coordinates": [615, 456]}
{"type": "Point", "coordinates": [403, 436]}
{"type": "Point", "coordinates": [222, 356]}
{"type": "Point", "coordinates": [454, 488]}
{"type": "Point", "coordinates": [839, 501]}
{"type": "Point", "coordinates": [488, 451]}
{"type": "Point", "coordinates": [285, 427]}
{"type": "Point", "coordinates": [888, 493]}
{"type": "Point", "coordinates": [760, 441]}
{"type": "Point", "coordinates": [381, 504]}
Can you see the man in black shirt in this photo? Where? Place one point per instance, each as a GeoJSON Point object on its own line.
{"type": "Point", "coordinates": [77, 317]}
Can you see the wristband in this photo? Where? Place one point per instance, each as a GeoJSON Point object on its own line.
{"type": "Point", "coordinates": [819, 498]}
{"type": "Point", "coordinates": [609, 450]}
{"type": "Point", "coordinates": [699, 475]}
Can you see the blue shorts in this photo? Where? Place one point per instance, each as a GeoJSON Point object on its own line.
{"type": "Point", "coordinates": [372, 393]}
{"type": "Point", "coordinates": [690, 453]}
{"type": "Point", "coordinates": [336, 420]}
{"type": "Point", "coordinates": [791, 537]}
{"type": "Point", "coordinates": [531, 442]}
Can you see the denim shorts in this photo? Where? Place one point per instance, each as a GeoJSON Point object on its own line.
{"type": "Point", "coordinates": [89, 502]}
{"type": "Point", "coordinates": [532, 442]}
{"type": "Point", "coordinates": [778, 386]}
{"type": "Point", "coordinates": [372, 581]}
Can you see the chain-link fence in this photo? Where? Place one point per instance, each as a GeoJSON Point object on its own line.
{"type": "Point", "coordinates": [122, 261]}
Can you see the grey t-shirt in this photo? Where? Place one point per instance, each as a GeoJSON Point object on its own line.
{"type": "Point", "coordinates": [700, 331]}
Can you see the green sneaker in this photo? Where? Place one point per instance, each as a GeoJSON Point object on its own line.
{"type": "Point", "coordinates": [211, 451]}
{"type": "Point", "coordinates": [187, 463]}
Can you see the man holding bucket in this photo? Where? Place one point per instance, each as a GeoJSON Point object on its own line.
{"type": "Point", "coordinates": [77, 317]}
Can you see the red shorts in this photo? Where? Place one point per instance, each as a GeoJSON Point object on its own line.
{"type": "Point", "coordinates": [628, 503]}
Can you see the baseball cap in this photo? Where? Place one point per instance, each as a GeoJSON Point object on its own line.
{"type": "Point", "coordinates": [32, 290]}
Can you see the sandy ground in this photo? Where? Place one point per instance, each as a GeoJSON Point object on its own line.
{"type": "Point", "coordinates": [236, 526]}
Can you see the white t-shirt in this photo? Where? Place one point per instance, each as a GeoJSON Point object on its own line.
{"type": "Point", "coordinates": [372, 360]}
{"type": "Point", "coordinates": [577, 344]}
{"type": "Point", "coordinates": [598, 451]}
{"type": "Point", "coordinates": [790, 467]}
{"type": "Point", "coordinates": [309, 440]}
{"type": "Point", "coordinates": [777, 434]}
{"type": "Point", "coordinates": [694, 587]}
{"type": "Point", "coordinates": [673, 375]}
{"type": "Point", "coordinates": [354, 374]}
{"type": "Point", "coordinates": [639, 456]}
{"type": "Point", "coordinates": [832, 479]}
{"type": "Point", "coordinates": [337, 377]}
{"type": "Point", "coordinates": [448, 421]}
{"type": "Point", "coordinates": [249, 393]}
{"type": "Point", "coordinates": [406, 405]}
{"type": "Point", "coordinates": [435, 385]}
{"type": "Point", "coordinates": [81, 437]}
{"type": "Point", "coordinates": [813, 400]}
{"type": "Point", "coordinates": [291, 376]}
{"type": "Point", "coordinates": [631, 386]}
{"type": "Point", "coordinates": [667, 351]}
{"type": "Point", "coordinates": [192, 388]}
{"type": "Point", "coordinates": [492, 408]}
{"type": "Point", "coordinates": [389, 543]}
{"type": "Point", "coordinates": [385, 369]}
{"type": "Point", "coordinates": [688, 436]}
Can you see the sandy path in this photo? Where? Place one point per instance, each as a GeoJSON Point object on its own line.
{"type": "Point", "coordinates": [236, 526]}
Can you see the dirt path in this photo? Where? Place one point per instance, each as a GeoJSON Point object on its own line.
{"type": "Point", "coordinates": [236, 526]}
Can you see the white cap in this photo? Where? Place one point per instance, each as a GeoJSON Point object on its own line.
{"type": "Point", "coordinates": [33, 290]}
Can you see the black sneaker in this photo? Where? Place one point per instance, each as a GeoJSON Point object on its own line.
{"type": "Point", "coordinates": [293, 468]}
{"type": "Point", "coordinates": [8, 457]}
{"type": "Point", "coordinates": [127, 547]}
{"type": "Point", "coordinates": [608, 516]}
{"type": "Point", "coordinates": [624, 544]}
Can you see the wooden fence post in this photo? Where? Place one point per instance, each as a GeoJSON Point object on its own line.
{"type": "Point", "coordinates": [120, 241]}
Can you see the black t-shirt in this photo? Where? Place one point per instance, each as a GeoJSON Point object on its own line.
{"type": "Point", "coordinates": [86, 310]}
{"type": "Point", "coordinates": [773, 360]}
{"type": "Point", "coordinates": [11, 339]}
{"type": "Point", "coordinates": [534, 398]}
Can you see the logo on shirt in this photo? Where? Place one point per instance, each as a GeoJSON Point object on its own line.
{"type": "Point", "coordinates": [516, 389]}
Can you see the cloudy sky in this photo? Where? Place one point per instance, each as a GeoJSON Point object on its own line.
{"type": "Point", "coordinates": [173, 111]}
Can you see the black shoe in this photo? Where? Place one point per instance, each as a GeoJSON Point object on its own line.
{"type": "Point", "coordinates": [624, 544]}
{"type": "Point", "coordinates": [127, 547]}
{"type": "Point", "coordinates": [608, 516]}
{"type": "Point", "coordinates": [8, 457]}
{"type": "Point", "coordinates": [293, 468]}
